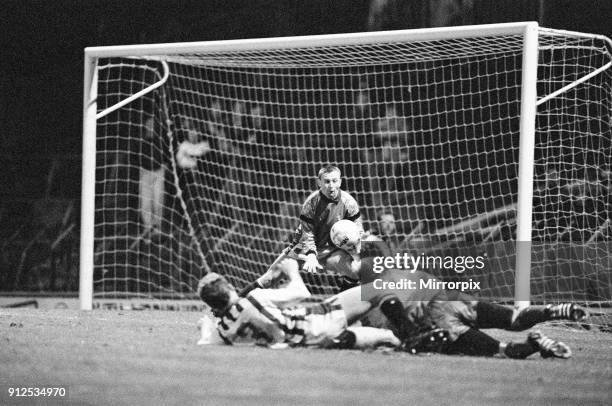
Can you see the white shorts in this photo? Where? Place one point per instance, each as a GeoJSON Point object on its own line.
{"type": "Point", "coordinates": [317, 325]}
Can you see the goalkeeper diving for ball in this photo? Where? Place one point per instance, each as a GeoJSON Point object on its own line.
{"type": "Point", "coordinates": [410, 312]}
{"type": "Point", "coordinates": [312, 248]}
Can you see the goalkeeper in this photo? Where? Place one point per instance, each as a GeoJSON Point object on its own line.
{"type": "Point", "coordinates": [311, 248]}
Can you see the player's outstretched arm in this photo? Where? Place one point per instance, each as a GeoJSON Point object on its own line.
{"type": "Point", "coordinates": [292, 292]}
{"type": "Point", "coordinates": [311, 263]}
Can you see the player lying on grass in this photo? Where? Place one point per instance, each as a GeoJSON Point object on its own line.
{"type": "Point", "coordinates": [261, 317]}
{"type": "Point", "coordinates": [311, 247]}
{"type": "Point", "coordinates": [461, 315]}
{"type": "Point", "coordinates": [417, 317]}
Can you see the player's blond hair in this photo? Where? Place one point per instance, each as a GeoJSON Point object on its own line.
{"type": "Point", "coordinates": [214, 290]}
{"type": "Point", "coordinates": [329, 169]}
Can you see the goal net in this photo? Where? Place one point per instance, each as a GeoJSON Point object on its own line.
{"type": "Point", "coordinates": [424, 127]}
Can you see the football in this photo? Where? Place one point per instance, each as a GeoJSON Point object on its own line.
{"type": "Point", "coordinates": [345, 234]}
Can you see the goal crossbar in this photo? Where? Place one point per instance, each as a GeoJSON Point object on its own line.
{"type": "Point", "coordinates": [313, 41]}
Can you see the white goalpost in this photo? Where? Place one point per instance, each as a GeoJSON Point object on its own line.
{"type": "Point", "coordinates": [490, 140]}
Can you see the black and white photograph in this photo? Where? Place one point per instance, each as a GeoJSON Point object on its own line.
{"type": "Point", "coordinates": [306, 202]}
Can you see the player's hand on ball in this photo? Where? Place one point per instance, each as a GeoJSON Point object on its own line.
{"type": "Point", "coordinates": [311, 264]}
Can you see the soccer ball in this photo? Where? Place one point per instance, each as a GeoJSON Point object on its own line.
{"type": "Point", "coordinates": [345, 234]}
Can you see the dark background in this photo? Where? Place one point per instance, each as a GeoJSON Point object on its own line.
{"type": "Point", "coordinates": [43, 41]}
{"type": "Point", "coordinates": [41, 78]}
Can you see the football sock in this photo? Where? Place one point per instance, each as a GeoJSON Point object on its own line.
{"type": "Point", "coordinates": [393, 309]}
{"type": "Point", "coordinates": [496, 316]}
{"type": "Point", "coordinates": [519, 350]}
{"type": "Point", "coordinates": [475, 342]}
{"type": "Point", "coordinates": [529, 317]}
{"type": "Point", "coordinates": [490, 315]}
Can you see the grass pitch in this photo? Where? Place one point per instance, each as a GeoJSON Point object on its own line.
{"type": "Point", "coordinates": [138, 358]}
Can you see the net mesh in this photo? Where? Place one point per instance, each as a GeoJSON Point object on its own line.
{"type": "Point", "coordinates": [572, 178]}
{"type": "Point", "coordinates": [425, 131]}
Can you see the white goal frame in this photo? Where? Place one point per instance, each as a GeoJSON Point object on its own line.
{"type": "Point", "coordinates": [528, 102]}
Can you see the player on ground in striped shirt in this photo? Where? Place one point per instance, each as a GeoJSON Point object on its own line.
{"type": "Point", "coordinates": [262, 317]}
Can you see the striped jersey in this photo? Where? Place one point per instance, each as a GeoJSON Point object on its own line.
{"type": "Point", "coordinates": [257, 319]}
{"type": "Point", "coordinates": [253, 319]}
{"type": "Point", "coordinates": [318, 215]}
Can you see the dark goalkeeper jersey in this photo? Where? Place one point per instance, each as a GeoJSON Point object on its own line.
{"type": "Point", "coordinates": [408, 288]}
{"type": "Point", "coordinates": [318, 215]}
